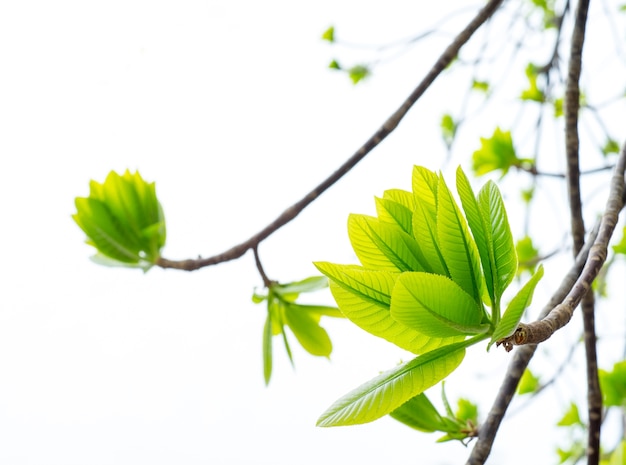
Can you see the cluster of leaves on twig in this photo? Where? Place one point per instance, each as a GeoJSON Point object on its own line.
{"type": "Point", "coordinates": [431, 281]}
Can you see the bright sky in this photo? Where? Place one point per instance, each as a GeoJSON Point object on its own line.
{"type": "Point", "coordinates": [230, 108]}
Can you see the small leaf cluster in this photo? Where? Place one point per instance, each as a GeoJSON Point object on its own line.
{"type": "Point", "coordinates": [303, 320]}
{"type": "Point", "coordinates": [419, 413]}
{"type": "Point", "coordinates": [497, 153]}
{"type": "Point", "coordinates": [123, 220]}
{"type": "Point", "coordinates": [432, 274]}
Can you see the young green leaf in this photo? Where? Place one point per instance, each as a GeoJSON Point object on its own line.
{"type": "Point", "coordinates": [528, 383]}
{"type": "Point", "coordinates": [420, 414]}
{"type": "Point", "coordinates": [515, 309]}
{"type": "Point", "coordinates": [571, 417]}
{"type": "Point", "coordinates": [395, 213]}
{"type": "Point", "coordinates": [267, 348]}
{"type": "Point", "coordinates": [613, 384]}
{"type": "Point", "coordinates": [400, 196]}
{"type": "Point", "coordinates": [364, 297]}
{"type": "Point", "coordinates": [358, 72]}
{"type": "Point", "coordinates": [496, 153]}
{"type": "Point", "coordinates": [481, 233]}
{"type": "Point", "coordinates": [310, 284]}
{"type": "Point", "coordinates": [305, 326]}
{"type": "Point", "coordinates": [383, 245]}
{"type": "Point", "coordinates": [504, 256]}
{"type": "Point", "coordinates": [435, 306]}
{"type": "Point", "coordinates": [390, 390]}
{"type": "Point", "coordinates": [457, 245]}
{"type": "Point", "coordinates": [329, 34]}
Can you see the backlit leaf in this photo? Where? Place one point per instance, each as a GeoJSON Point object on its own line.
{"type": "Point", "coordinates": [305, 326]}
{"type": "Point", "coordinates": [457, 245]}
{"type": "Point", "coordinates": [390, 390]}
{"type": "Point", "coordinates": [420, 414]}
{"type": "Point", "coordinates": [435, 306]}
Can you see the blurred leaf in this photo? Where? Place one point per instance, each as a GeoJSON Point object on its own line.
{"type": "Point", "coordinates": [448, 129]}
{"type": "Point", "coordinates": [613, 385]}
{"type": "Point", "coordinates": [621, 246]}
{"type": "Point", "coordinates": [358, 72]}
{"type": "Point", "coordinates": [571, 417]}
{"type": "Point", "coordinates": [527, 254]}
{"type": "Point", "coordinates": [467, 411]}
{"type": "Point", "coordinates": [123, 220]}
{"type": "Point", "coordinates": [305, 326]}
{"type": "Point", "coordinates": [610, 146]}
{"type": "Point", "coordinates": [618, 456]}
{"type": "Point", "coordinates": [532, 93]}
{"type": "Point", "coordinates": [480, 86]}
{"type": "Point", "coordinates": [334, 64]}
{"type": "Point", "coordinates": [527, 194]}
{"type": "Point", "coordinates": [329, 34]}
{"type": "Point", "coordinates": [558, 107]}
{"type": "Point", "coordinates": [495, 153]}
{"type": "Point", "coordinates": [528, 384]}
{"type": "Point", "coordinates": [310, 284]}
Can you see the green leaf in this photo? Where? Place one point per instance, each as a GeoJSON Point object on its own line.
{"type": "Point", "coordinates": [435, 306]}
{"type": "Point", "coordinates": [532, 93]}
{"type": "Point", "coordinates": [311, 284]}
{"type": "Point", "coordinates": [420, 414]}
{"type": "Point", "coordinates": [383, 246]}
{"type": "Point", "coordinates": [334, 64]}
{"type": "Point", "coordinates": [515, 309]}
{"type": "Point", "coordinates": [610, 146]}
{"type": "Point", "coordinates": [621, 246]}
{"type": "Point", "coordinates": [618, 456]}
{"type": "Point", "coordinates": [448, 129]}
{"type": "Point", "coordinates": [395, 213]}
{"type": "Point", "coordinates": [388, 391]}
{"type": "Point", "coordinates": [305, 326]}
{"type": "Point", "coordinates": [123, 219]}
{"type": "Point", "coordinates": [558, 107]}
{"type": "Point", "coordinates": [503, 262]}
{"type": "Point", "coordinates": [329, 34]}
{"type": "Point", "coordinates": [457, 245]}
{"type": "Point", "coordinates": [358, 72]}
{"type": "Point", "coordinates": [322, 310]}
{"type": "Point", "coordinates": [364, 297]}
{"type": "Point", "coordinates": [527, 254]}
{"type": "Point", "coordinates": [467, 411]}
{"type": "Point", "coordinates": [528, 383]}
{"type": "Point", "coordinates": [495, 153]}
{"type": "Point", "coordinates": [267, 348]}
{"type": "Point", "coordinates": [571, 417]}
{"type": "Point", "coordinates": [613, 385]}
{"type": "Point", "coordinates": [480, 86]}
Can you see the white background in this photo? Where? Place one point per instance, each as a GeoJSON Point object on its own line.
{"type": "Point", "coordinates": [230, 108]}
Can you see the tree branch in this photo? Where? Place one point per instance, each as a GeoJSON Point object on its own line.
{"type": "Point", "coordinates": [559, 316]}
{"type": "Point", "coordinates": [520, 361]}
{"type": "Point", "coordinates": [387, 128]}
{"type": "Point", "coordinates": [572, 105]}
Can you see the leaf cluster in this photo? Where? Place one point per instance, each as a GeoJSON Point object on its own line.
{"type": "Point", "coordinates": [432, 275]}
{"type": "Point", "coordinates": [303, 320]}
{"type": "Point", "coordinates": [123, 220]}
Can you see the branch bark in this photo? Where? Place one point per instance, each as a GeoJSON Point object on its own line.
{"type": "Point", "coordinates": [387, 128]}
{"type": "Point", "coordinates": [554, 315]}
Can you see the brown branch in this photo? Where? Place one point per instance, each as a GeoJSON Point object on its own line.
{"type": "Point", "coordinates": [572, 104]}
{"type": "Point", "coordinates": [559, 316]}
{"type": "Point", "coordinates": [387, 128]}
{"type": "Point", "coordinates": [520, 361]}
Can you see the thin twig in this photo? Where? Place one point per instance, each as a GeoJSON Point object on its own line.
{"type": "Point", "coordinates": [387, 128]}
